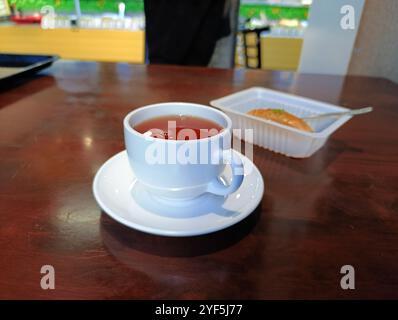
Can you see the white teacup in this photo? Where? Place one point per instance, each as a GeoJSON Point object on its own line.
{"type": "Point", "coordinates": [182, 169]}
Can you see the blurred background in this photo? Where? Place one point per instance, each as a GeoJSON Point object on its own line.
{"type": "Point", "coordinates": [287, 35]}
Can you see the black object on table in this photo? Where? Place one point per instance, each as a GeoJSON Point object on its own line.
{"type": "Point", "coordinates": [14, 66]}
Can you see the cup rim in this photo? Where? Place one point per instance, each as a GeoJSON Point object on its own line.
{"type": "Point", "coordinates": [130, 129]}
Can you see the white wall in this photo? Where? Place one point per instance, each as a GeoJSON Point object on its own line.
{"type": "Point", "coordinates": [327, 47]}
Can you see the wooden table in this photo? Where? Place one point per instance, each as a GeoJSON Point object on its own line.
{"type": "Point", "coordinates": [339, 207]}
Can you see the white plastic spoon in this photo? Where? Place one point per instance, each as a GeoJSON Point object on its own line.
{"type": "Point", "coordinates": [339, 114]}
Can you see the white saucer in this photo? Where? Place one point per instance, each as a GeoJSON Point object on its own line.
{"type": "Point", "coordinates": [124, 199]}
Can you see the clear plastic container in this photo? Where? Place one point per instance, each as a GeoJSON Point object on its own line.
{"type": "Point", "coordinates": [278, 137]}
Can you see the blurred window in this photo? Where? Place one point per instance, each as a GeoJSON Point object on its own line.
{"type": "Point", "coordinates": [87, 6]}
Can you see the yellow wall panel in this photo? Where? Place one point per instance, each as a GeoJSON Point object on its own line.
{"type": "Point", "coordinates": [280, 53]}
{"type": "Point", "coordinates": [80, 44]}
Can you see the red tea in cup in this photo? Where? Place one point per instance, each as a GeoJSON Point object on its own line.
{"type": "Point", "coordinates": [178, 127]}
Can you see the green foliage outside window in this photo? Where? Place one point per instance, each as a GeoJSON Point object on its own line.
{"type": "Point", "coordinates": [86, 6]}
{"type": "Point", "coordinates": [273, 12]}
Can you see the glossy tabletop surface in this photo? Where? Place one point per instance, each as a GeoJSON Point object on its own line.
{"type": "Point", "coordinates": [339, 207]}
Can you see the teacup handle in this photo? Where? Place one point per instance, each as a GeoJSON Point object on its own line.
{"type": "Point", "coordinates": [217, 187]}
